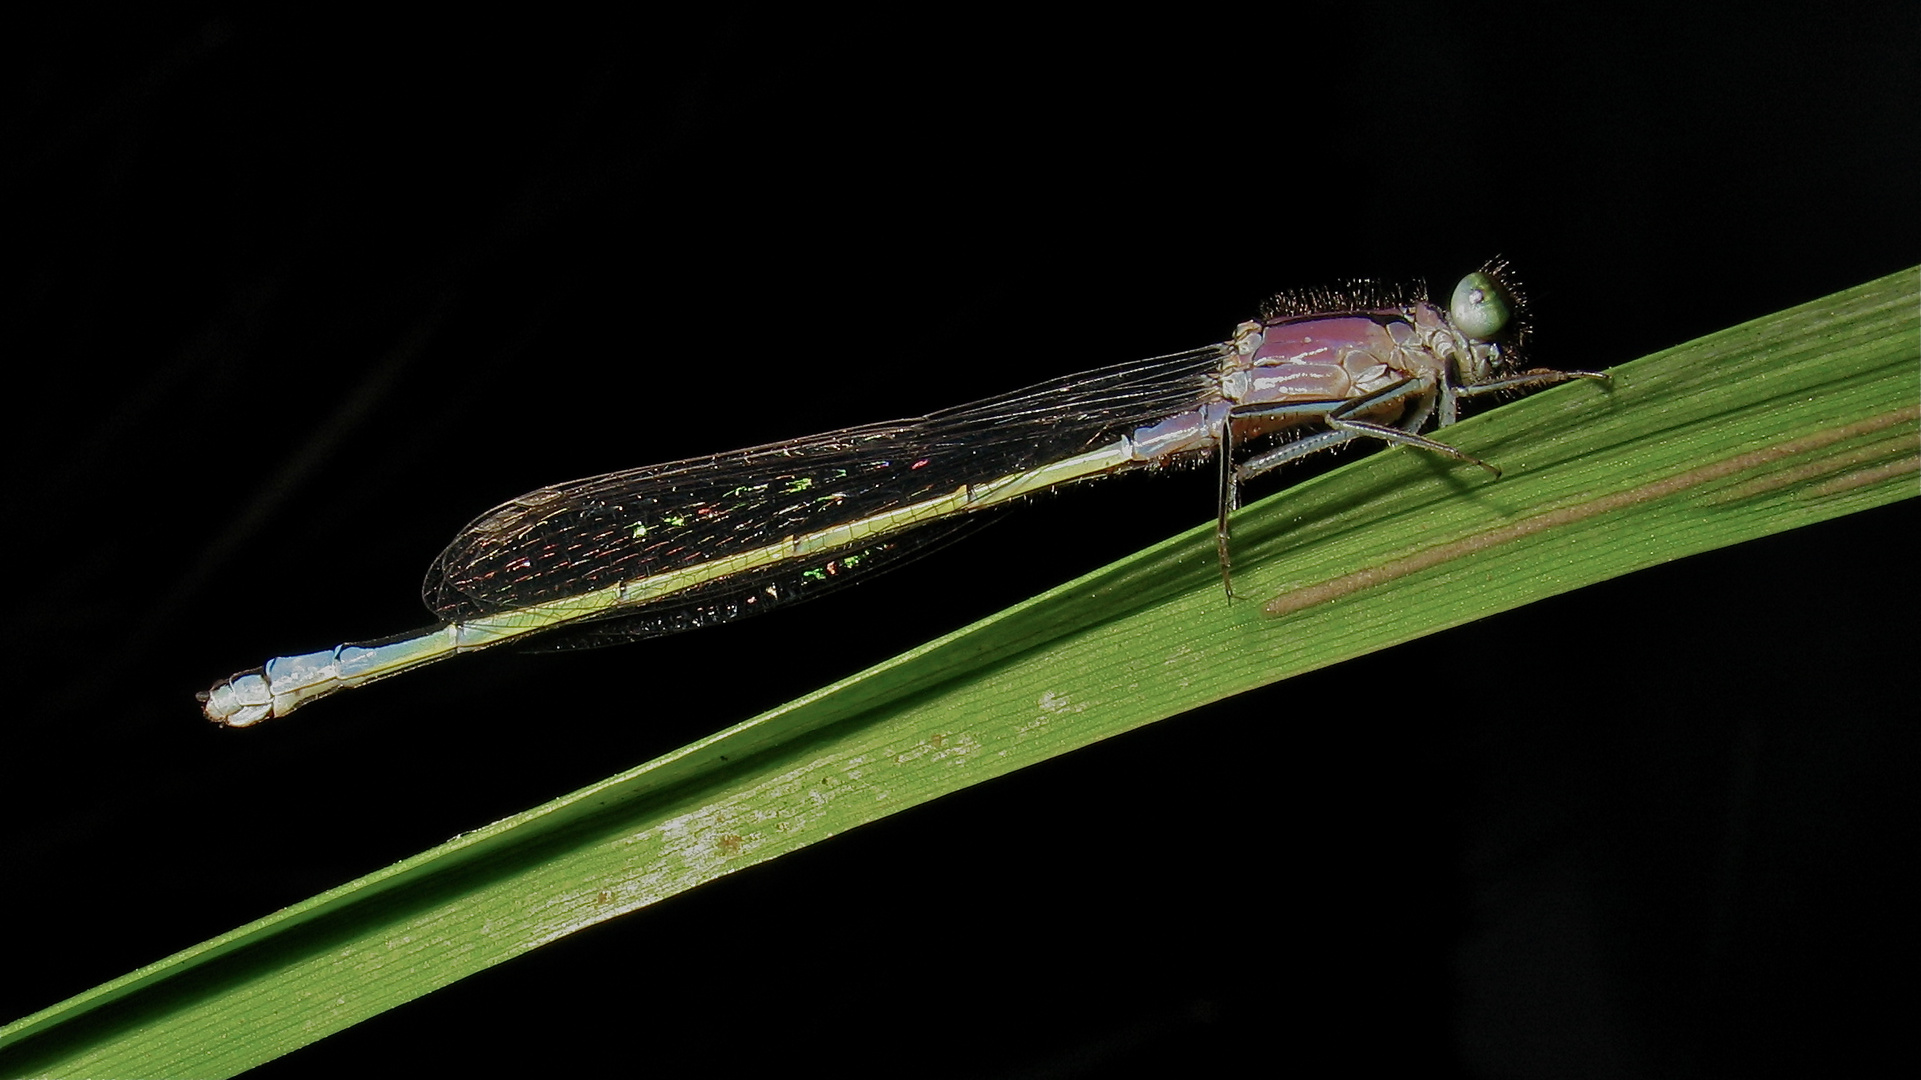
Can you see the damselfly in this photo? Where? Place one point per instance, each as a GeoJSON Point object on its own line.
{"type": "Point", "coordinates": [690, 543]}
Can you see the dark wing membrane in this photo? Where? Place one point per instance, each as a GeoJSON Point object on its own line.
{"type": "Point", "coordinates": [753, 591]}
{"type": "Point", "coordinates": [577, 537]}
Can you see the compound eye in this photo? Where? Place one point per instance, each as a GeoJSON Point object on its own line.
{"type": "Point", "coordinates": [1481, 308]}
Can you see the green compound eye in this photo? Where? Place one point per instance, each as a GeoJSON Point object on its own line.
{"type": "Point", "coordinates": [1480, 308]}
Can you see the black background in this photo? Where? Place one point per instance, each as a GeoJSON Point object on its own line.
{"type": "Point", "coordinates": [295, 297]}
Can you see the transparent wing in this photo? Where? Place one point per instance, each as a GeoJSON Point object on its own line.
{"type": "Point", "coordinates": [577, 537]}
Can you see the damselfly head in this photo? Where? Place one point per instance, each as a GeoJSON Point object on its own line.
{"type": "Point", "coordinates": [1488, 306]}
{"type": "Point", "coordinates": [1489, 313]}
{"type": "Point", "coordinates": [1479, 309]}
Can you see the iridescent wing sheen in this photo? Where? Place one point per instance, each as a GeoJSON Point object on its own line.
{"type": "Point", "coordinates": [577, 537]}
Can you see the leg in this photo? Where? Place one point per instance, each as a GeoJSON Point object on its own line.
{"type": "Point", "coordinates": [1407, 438]}
{"type": "Point", "coordinates": [1421, 393]}
{"type": "Point", "coordinates": [1451, 396]}
{"type": "Point", "coordinates": [1229, 501]}
{"type": "Point", "coordinates": [1269, 460]}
